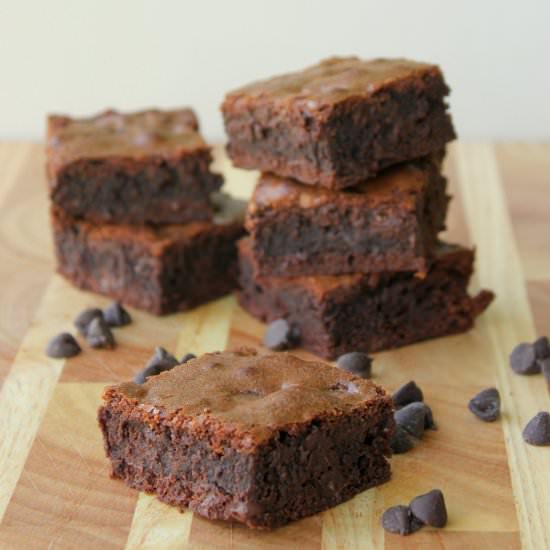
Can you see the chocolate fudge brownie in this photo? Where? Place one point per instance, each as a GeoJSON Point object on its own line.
{"type": "Point", "coordinates": [160, 269]}
{"type": "Point", "coordinates": [339, 122]}
{"type": "Point", "coordinates": [146, 167]}
{"type": "Point", "coordinates": [258, 439]}
{"type": "Point", "coordinates": [389, 223]}
{"type": "Point", "coordinates": [367, 312]}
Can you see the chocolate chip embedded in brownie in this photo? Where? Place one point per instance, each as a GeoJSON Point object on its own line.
{"type": "Point", "coordinates": [259, 439]}
{"type": "Point", "coordinates": [160, 269]}
{"type": "Point", "coordinates": [367, 312]}
{"type": "Point", "coordinates": [339, 122]}
{"type": "Point", "coordinates": [389, 223]}
{"type": "Point", "coordinates": [145, 167]}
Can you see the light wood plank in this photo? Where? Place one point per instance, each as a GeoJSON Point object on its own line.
{"type": "Point", "coordinates": [355, 525]}
{"type": "Point", "coordinates": [525, 169]}
{"type": "Point", "coordinates": [28, 387]}
{"type": "Point", "coordinates": [65, 499]}
{"type": "Point", "coordinates": [25, 259]}
{"type": "Point", "coordinates": [508, 322]}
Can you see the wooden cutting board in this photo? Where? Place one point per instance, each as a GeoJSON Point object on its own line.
{"type": "Point", "coordinates": [55, 491]}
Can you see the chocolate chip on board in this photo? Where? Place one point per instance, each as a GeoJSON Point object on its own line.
{"type": "Point", "coordinates": [399, 520]}
{"type": "Point", "coordinates": [162, 359]}
{"type": "Point", "coordinates": [537, 430]}
{"type": "Point", "coordinates": [187, 357]}
{"type": "Point", "coordinates": [84, 318]}
{"type": "Point", "coordinates": [412, 418]}
{"type": "Point", "coordinates": [116, 316]}
{"type": "Point", "coordinates": [523, 359]}
{"type": "Point", "coordinates": [408, 393]}
{"type": "Point", "coordinates": [430, 508]}
{"type": "Point", "coordinates": [486, 405]}
{"type": "Point", "coordinates": [99, 335]}
{"type": "Point", "coordinates": [62, 346]}
{"type": "Point", "coordinates": [142, 376]}
{"type": "Point", "coordinates": [542, 347]}
{"type": "Point", "coordinates": [356, 362]}
{"type": "Point", "coordinates": [429, 422]}
{"type": "Point", "coordinates": [545, 367]}
{"type": "Point", "coordinates": [280, 336]}
{"type": "Point", "coordinates": [401, 441]}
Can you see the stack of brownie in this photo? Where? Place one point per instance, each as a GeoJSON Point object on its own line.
{"type": "Point", "coordinates": [136, 212]}
{"type": "Point", "coordinates": [344, 221]}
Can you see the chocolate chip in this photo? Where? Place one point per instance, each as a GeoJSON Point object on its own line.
{"type": "Point", "coordinates": [412, 418]}
{"type": "Point", "coordinates": [99, 335]}
{"type": "Point", "coordinates": [116, 316]}
{"type": "Point", "coordinates": [401, 441]}
{"type": "Point", "coordinates": [280, 336]}
{"type": "Point", "coordinates": [63, 345]}
{"type": "Point", "coordinates": [187, 357]}
{"type": "Point", "coordinates": [542, 347]}
{"type": "Point", "coordinates": [537, 430]}
{"type": "Point", "coordinates": [399, 519]}
{"type": "Point", "coordinates": [142, 376]}
{"type": "Point", "coordinates": [162, 359]}
{"type": "Point", "coordinates": [523, 359]}
{"type": "Point", "coordinates": [486, 405]}
{"type": "Point", "coordinates": [408, 393]}
{"type": "Point", "coordinates": [430, 508]}
{"type": "Point", "coordinates": [429, 422]}
{"type": "Point", "coordinates": [85, 318]}
{"type": "Point", "coordinates": [357, 363]}
{"type": "Point", "coordinates": [545, 367]}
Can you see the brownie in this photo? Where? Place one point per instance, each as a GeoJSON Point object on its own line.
{"type": "Point", "coordinates": [160, 269]}
{"type": "Point", "coordinates": [339, 122]}
{"type": "Point", "coordinates": [367, 312]}
{"type": "Point", "coordinates": [145, 167]}
{"type": "Point", "coordinates": [258, 439]}
{"type": "Point", "coordinates": [389, 223]}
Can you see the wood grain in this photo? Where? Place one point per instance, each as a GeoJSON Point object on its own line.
{"type": "Point", "coordinates": [54, 486]}
{"type": "Point", "coordinates": [508, 322]}
{"type": "Point", "coordinates": [25, 247]}
{"type": "Point", "coordinates": [65, 499]}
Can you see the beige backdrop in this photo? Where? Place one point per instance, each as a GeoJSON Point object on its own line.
{"type": "Point", "coordinates": [82, 55]}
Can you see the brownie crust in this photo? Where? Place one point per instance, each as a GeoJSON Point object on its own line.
{"type": "Point", "coordinates": [146, 167]}
{"type": "Point", "coordinates": [367, 312]}
{"type": "Point", "coordinates": [159, 269]}
{"type": "Point", "coordinates": [273, 439]}
{"type": "Point", "coordinates": [389, 223]}
{"type": "Point", "coordinates": [339, 122]}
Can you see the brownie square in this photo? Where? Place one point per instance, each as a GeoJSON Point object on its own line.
{"type": "Point", "coordinates": [339, 122]}
{"type": "Point", "coordinates": [145, 167]}
{"type": "Point", "coordinates": [160, 269]}
{"type": "Point", "coordinates": [258, 439]}
{"type": "Point", "coordinates": [389, 223]}
{"type": "Point", "coordinates": [367, 312]}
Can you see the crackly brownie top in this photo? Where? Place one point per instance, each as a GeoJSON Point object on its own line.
{"type": "Point", "coordinates": [399, 187]}
{"type": "Point", "coordinates": [335, 79]}
{"type": "Point", "coordinates": [134, 135]}
{"type": "Point", "coordinates": [254, 392]}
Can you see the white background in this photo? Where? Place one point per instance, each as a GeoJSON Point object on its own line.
{"type": "Point", "coordinates": [80, 56]}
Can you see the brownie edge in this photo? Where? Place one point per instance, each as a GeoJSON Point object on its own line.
{"type": "Point", "coordinates": [367, 312]}
{"type": "Point", "coordinates": [269, 439]}
{"type": "Point", "coordinates": [339, 122]}
{"type": "Point", "coordinates": [148, 167]}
